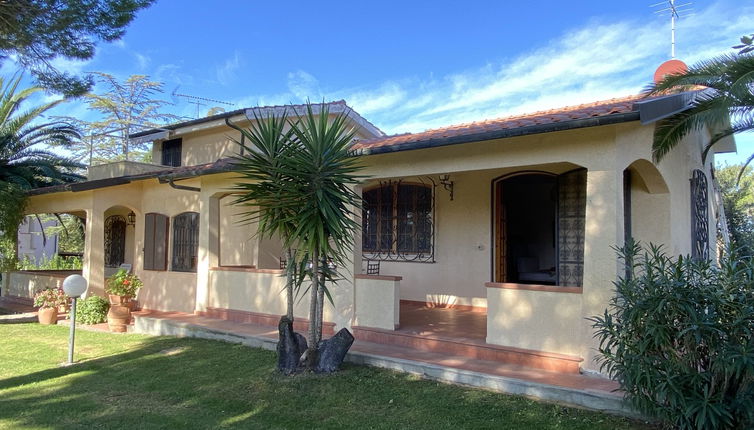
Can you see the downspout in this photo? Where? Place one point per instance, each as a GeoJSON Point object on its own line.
{"type": "Point", "coordinates": [171, 182]}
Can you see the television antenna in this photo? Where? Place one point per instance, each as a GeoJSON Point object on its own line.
{"type": "Point", "coordinates": [676, 11]}
{"type": "Point", "coordinates": [198, 101]}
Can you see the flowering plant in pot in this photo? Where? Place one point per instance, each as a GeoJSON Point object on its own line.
{"type": "Point", "coordinates": [122, 287]}
{"type": "Point", "coordinates": [48, 301]}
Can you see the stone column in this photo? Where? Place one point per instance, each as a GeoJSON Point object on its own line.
{"type": "Point", "coordinates": [603, 231]}
{"type": "Point", "coordinates": [94, 250]}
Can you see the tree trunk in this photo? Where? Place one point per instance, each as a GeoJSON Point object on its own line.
{"type": "Point", "coordinates": [311, 353]}
{"type": "Point", "coordinates": [289, 285]}
{"type": "Point", "coordinates": [321, 299]}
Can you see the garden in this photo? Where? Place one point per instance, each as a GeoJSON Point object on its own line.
{"type": "Point", "coordinates": [135, 381]}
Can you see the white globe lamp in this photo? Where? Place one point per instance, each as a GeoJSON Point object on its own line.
{"type": "Point", "coordinates": [74, 287]}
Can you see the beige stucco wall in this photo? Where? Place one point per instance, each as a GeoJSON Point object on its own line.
{"type": "Point", "coordinates": [120, 168]}
{"type": "Point", "coordinates": [377, 302]}
{"type": "Point", "coordinates": [526, 319]}
{"type": "Point", "coordinates": [238, 244]}
{"type": "Point", "coordinates": [26, 284]}
{"type": "Point", "coordinates": [205, 143]}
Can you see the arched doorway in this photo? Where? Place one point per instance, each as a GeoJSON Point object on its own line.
{"type": "Point", "coordinates": [115, 240]}
{"type": "Point", "coordinates": [539, 223]}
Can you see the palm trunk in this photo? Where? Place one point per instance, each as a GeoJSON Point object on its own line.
{"type": "Point", "coordinates": [321, 299]}
{"type": "Point", "coordinates": [289, 285]}
{"type": "Point", "coordinates": [311, 353]}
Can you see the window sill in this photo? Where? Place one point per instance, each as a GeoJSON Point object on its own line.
{"type": "Point", "coordinates": [534, 287]}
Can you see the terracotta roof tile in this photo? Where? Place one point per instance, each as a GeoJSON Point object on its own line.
{"type": "Point", "coordinates": [583, 111]}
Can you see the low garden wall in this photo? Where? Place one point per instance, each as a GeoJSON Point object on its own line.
{"type": "Point", "coordinates": [27, 282]}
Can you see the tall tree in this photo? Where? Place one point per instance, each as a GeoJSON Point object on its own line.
{"type": "Point", "coordinates": [36, 32]}
{"type": "Point", "coordinates": [738, 203]}
{"type": "Point", "coordinates": [725, 102]}
{"type": "Point", "coordinates": [125, 108]}
{"type": "Point", "coordinates": [24, 161]}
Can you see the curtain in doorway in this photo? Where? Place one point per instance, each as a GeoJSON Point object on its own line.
{"type": "Point", "coordinates": [571, 224]}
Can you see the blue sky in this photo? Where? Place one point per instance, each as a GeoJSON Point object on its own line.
{"type": "Point", "coordinates": [409, 66]}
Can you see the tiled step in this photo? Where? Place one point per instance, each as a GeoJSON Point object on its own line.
{"type": "Point", "coordinates": [270, 320]}
{"type": "Point", "coordinates": [472, 349]}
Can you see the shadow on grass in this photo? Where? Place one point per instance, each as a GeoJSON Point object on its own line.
{"type": "Point", "coordinates": [194, 383]}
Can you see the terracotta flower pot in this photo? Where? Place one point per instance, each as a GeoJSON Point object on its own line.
{"type": "Point", "coordinates": [118, 318]}
{"type": "Point", "coordinates": [119, 300]}
{"type": "Point", "coordinates": [47, 316]}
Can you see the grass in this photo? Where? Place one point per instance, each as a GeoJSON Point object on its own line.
{"type": "Point", "coordinates": [141, 382]}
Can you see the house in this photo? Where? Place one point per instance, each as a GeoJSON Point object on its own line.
{"type": "Point", "coordinates": [513, 220]}
{"type": "Point", "coordinates": [34, 244]}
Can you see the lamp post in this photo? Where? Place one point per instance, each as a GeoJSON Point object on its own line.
{"type": "Point", "coordinates": [73, 286]}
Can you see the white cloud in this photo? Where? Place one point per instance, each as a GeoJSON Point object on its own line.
{"type": "Point", "coordinates": [227, 72]}
{"type": "Point", "coordinates": [142, 60]}
{"type": "Point", "coordinates": [598, 61]}
{"type": "Point", "coordinates": [303, 86]}
{"type": "Point", "coordinates": [386, 97]}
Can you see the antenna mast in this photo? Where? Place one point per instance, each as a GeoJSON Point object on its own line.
{"type": "Point", "coordinates": [675, 11]}
{"type": "Point", "coordinates": [198, 101]}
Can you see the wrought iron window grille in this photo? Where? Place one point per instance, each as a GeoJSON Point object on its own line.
{"type": "Point", "coordinates": [699, 216]}
{"type": "Point", "coordinates": [115, 240]}
{"type": "Point", "coordinates": [185, 242]}
{"type": "Point", "coordinates": [398, 221]}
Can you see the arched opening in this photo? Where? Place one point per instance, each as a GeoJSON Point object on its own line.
{"type": "Point", "coordinates": [119, 239]}
{"type": "Point", "coordinates": [538, 221]}
{"type": "Point", "coordinates": [646, 204]}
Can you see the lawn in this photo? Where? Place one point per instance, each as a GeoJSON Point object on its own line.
{"type": "Point", "coordinates": [140, 382]}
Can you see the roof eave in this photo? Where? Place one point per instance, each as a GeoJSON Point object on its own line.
{"type": "Point", "coordinates": [504, 133]}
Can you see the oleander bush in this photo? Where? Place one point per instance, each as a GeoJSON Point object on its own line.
{"type": "Point", "coordinates": [92, 310]}
{"type": "Point", "coordinates": [677, 336]}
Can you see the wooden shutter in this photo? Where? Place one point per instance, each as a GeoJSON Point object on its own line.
{"type": "Point", "coordinates": [155, 241]}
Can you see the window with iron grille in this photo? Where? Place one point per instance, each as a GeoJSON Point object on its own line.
{"type": "Point", "coordinates": [699, 216]}
{"type": "Point", "coordinates": [185, 242]}
{"type": "Point", "coordinates": [171, 152]}
{"type": "Point", "coordinates": [397, 223]}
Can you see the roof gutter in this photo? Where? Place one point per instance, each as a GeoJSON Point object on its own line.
{"type": "Point", "coordinates": [503, 133]}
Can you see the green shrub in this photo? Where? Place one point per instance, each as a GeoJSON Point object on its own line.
{"type": "Point", "coordinates": [92, 310]}
{"type": "Point", "coordinates": [678, 338]}
{"type": "Point", "coordinates": [56, 262]}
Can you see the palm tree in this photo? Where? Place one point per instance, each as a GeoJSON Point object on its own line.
{"type": "Point", "coordinates": [25, 163]}
{"type": "Point", "coordinates": [725, 102]}
{"type": "Point", "coordinates": [300, 186]}
{"type": "Point", "coordinates": [264, 147]}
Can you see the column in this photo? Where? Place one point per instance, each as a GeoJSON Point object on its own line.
{"type": "Point", "coordinates": [603, 231]}
{"type": "Point", "coordinates": [209, 243]}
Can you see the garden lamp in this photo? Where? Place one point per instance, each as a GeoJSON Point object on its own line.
{"type": "Point", "coordinates": [73, 286]}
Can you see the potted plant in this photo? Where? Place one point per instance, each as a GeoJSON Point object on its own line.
{"type": "Point", "coordinates": [122, 288]}
{"type": "Point", "coordinates": [48, 301]}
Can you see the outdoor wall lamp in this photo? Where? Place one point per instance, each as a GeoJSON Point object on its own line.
{"type": "Point", "coordinates": [447, 184]}
{"type": "Point", "coordinates": [131, 218]}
